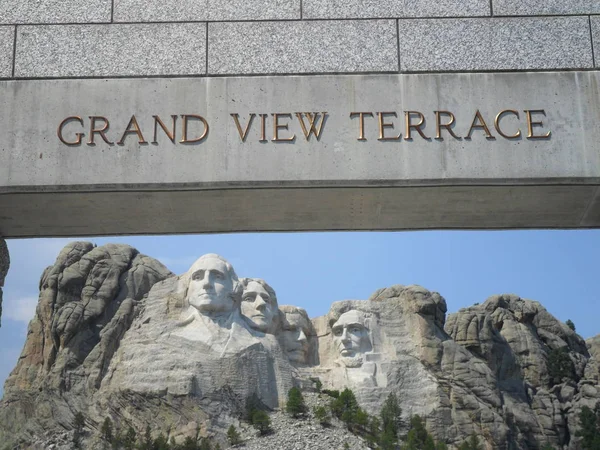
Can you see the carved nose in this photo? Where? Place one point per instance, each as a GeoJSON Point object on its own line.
{"type": "Point", "coordinates": [345, 335]}
{"type": "Point", "coordinates": [302, 337]}
{"type": "Point", "coordinates": [261, 305]}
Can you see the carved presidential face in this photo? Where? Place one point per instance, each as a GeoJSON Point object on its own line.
{"type": "Point", "coordinates": [211, 285]}
{"type": "Point", "coordinates": [294, 337]}
{"type": "Point", "coordinates": [258, 306]}
{"type": "Point", "coordinates": [351, 337]}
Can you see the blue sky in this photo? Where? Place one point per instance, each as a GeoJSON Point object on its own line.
{"type": "Point", "coordinates": [557, 268]}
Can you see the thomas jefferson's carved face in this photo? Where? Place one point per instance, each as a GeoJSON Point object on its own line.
{"type": "Point", "coordinates": [258, 306]}
{"type": "Point", "coordinates": [211, 286]}
{"type": "Point", "coordinates": [294, 337]}
{"type": "Point", "coordinates": [350, 336]}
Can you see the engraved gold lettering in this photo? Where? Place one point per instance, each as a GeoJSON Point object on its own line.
{"type": "Point", "coordinates": [263, 128]}
{"type": "Point", "coordinates": [497, 124]}
{"type": "Point", "coordinates": [383, 125]}
{"type": "Point", "coordinates": [243, 133]}
{"type": "Point", "coordinates": [531, 124]}
{"type": "Point", "coordinates": [446, 126]}
{"type": "Point", "coordinates": [479, 126]}
{"type": "Point", "coordinates": [184, 129]}
{"type": "Point", "coordinates": [281, 126]}
{"type": "Point", "coordinates": [101, 131]}
{"type": "Point", "coordinates": [361, 123]}
{"type": "Point", "coordinates": [170, 134]}
{"type": "Point", "coordinates": [79, 136]}
{"type": "Point", "coordinates": [136, 130]}
{"type": "Point", "coordinates": [312, 118]}
{"type": "Point", "coordinates": [417, 127]}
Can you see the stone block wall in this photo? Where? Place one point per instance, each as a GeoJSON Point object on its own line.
{"type": "Point", "coordinates": [131, 38]}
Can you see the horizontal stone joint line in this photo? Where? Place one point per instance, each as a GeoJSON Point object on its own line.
{"type": "Point", "coordinates": [300, 74]}
{"type": "Point", "coordinates": [334, 19]}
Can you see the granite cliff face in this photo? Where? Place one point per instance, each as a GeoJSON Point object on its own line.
{"type": "Point", "coordinates": [117, 335]}
{"type": "Point", "coordinates": [4, 265]}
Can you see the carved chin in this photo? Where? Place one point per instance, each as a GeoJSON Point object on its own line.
{"type": "Point", "coordinates": [352, 362]}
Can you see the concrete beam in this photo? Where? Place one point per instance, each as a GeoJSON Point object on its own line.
{"type": "Point", "coordinates": [470, 178]}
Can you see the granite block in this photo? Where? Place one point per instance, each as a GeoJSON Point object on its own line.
{"type": "Point", "coordinates": [350, 9]}
{"type": "Point", "coordinates": [194, 10]}
{"type": "Point", "coordinates": [111, 50]}
{"type": "Point", "coordinates": [595, 22]}
{"type": "Point", "coordinates": [302, 47]}
{"type": "Point", "coordinates": [7, 39]}
{"type": "Point", "coordinates": [521, 43]}
{"type": "Point", "coordinates": [545, 7]}
{"type": "Point", "coordinates": [54, 11]}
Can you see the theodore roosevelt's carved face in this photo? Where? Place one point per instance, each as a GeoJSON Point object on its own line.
{"type": "Point", "coordinates": [259, 306]}
{"type": "Point", "coordinates": [294, 337]}
{"type": "Point", "coordinates": [211, 285]}
{"type": "Point", "coordinates": [351, 337]}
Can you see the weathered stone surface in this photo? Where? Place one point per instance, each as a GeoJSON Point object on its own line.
{"type": "Point", "coordinates": [4, 266]}
{"type": "Point", "coordinates": [111, 50]}
{"type": "Point", "coordinates": [7, 39]}
{"type": "Point", "coordinates": [516, 43]}
{"type": "Point", "coordinates": [193, 10]}
{"type": "Point", "coordinates": [55, 11]}
{"type": "Point", "coordinates": [291, 47]}
{"type": "Point", "coordinates": [115, 333]}
{"type": "Point", "coordinates": [374, 9]}
{"type": "Point", "coordinates": [595, 21]}
{"type": "Point", "coordinates": [548, 7]}
{"type": "Point", "coordinates": [88, 299]}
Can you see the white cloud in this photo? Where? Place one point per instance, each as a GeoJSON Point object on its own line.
{"type": "Point", "coordinates": [19, 309]}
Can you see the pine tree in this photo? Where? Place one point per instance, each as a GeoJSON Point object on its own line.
{"type": "Point", "coordinates": [322, 416]}
{"type": "Point", "coordinates": [295, 405]}
{"type": "Point", "coordinates": [106, 430]}
{"type": "Point", "coordinates": [589, 431]}
{"type": "Point", "coordinates": [261, 421]}
{"type": "Point", "coordinates": [570, 324]}
{"type": "Point", "coordinates": [129, 439]}
{"type": "Point", "coordinates": [160, 443]}
{"type": "Point", "coordinates": [391, 415]}
{"type": "Point", "coordinates": [560, 365]}
{"type": "Point", "coordinates": [78, 424]}
{"type": "Point", "coordinates": [253, 404]}
{"type": "Point", "coordinates": [233, 436]}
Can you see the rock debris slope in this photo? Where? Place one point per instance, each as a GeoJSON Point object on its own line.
{"type": "Point", "coordinates": [117, 335]}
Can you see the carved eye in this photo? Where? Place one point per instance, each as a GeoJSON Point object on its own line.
{"type": "Point", "coordinates": [337, 332]}
{"type": "Point", "coordinates": [198, 275]}
{"type": "Point", "coordinates": [248, 298]}
{"type": "Point", "coordinates": [355, 329]}
{"type": "Point", "coordinates": [218, 276]}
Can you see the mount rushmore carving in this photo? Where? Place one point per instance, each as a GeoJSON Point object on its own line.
{"type": "Point", "coordinates": [117, 333]}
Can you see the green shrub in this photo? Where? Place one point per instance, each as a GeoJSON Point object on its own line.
{"type": "Point", "coordinates": [261, 421]}
{"type": "Point", "coordinates": [560, 365]}
{"type": "Point", "coordinates": [233, 436]}
{"type": "Point", "coordinates": [322, 416]}
{"type": "Point", "coordinates": [570, 324]}
{"type": "Point", "coordinates": [295, 404]}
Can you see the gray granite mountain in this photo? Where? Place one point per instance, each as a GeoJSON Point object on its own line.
{"type": "Point", "coordinates": [4, 265]}
{"type": "Point", "coordinates": [117, 335]}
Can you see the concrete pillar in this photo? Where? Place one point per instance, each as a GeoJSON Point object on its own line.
{"type": "Point", "coordinates": [4, 265]}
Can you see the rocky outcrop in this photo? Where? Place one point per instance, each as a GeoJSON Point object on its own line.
{"type": "Point", "coordinates": [117, 335]}
{"type": "Point", "coordinates": [88, 299]}
{"type": "Point", "coordinates": [4, 265]}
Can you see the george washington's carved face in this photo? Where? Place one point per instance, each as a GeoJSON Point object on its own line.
{"type": "Point", "coordinates": [211, 285]}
